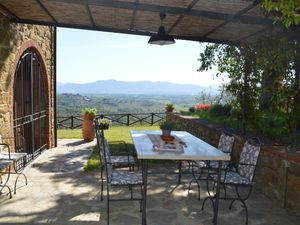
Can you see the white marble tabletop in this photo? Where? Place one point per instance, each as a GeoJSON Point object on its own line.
{"type": "Point", "coordinates": [195, 148]}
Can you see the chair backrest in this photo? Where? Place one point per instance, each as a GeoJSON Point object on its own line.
{"type": "Point", "coordinates": [248, 159]}
{"type": "Point", "coordinates": [100, 143]}
{"type": "Point", "coordinates": [107, 161]}
{"type": "Point", "coordinates": [226, 143]}
{"type": "Point", "coordinates": [100, 146]}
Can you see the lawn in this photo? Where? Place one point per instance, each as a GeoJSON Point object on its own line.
{"type": "Point", "coordinates": [118, 137]}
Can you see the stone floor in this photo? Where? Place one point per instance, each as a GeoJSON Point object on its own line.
{"type": "Point", "coordinates": [59, 192]}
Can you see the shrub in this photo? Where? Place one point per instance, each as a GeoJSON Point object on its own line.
{"type": "Point", "coordinates": [192, 109]}
{"type": "Point", "coordinates": [220, 110]}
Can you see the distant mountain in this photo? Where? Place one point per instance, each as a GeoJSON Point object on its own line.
{"type": "Point", "coordinates": [137, 87]}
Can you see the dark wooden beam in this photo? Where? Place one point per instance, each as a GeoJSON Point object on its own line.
{"type": "Point", "coordinates": [46, 10]}
{"type": "Point", "coordinates": [243, 11]}
{"type": "Point", "coordinates": [191, 5]}
{"type": "Point", "coordinates": [242, 39]}
{"type": "Point", "coordinates": [122, 31]}
{"type": "Point", "coordinates": [133, 17]}
{"type": "Point", "coordinates": [6, 12]}
{"type": "Point", "coordinates": [173, 10]}
{"type": "Point", "coordinates": [90, 15]}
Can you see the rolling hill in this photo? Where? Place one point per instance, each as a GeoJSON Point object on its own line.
{"type": "Point", "coordinates": [137, 87]}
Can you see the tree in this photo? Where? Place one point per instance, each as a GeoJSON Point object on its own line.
{"type": "Point", "coordinates": [264, 82]}
{"type": "Point", "coordinates": [285, 11]}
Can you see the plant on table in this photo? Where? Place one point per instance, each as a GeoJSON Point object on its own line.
{"type": "Point", "coordinates": [166, 127]}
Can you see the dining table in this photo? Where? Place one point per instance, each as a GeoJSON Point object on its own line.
{"type": "Point", "coordinates": [183, 146]}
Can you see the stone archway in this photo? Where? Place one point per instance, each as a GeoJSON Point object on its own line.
{"type": "Point", "coordinates": [30, 103]}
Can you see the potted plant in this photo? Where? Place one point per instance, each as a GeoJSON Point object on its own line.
{"type": "Point", "coordinates": [104, 123]}
{"type": "Point", "coordinates": [169, 107]}
{"type": "Point", "coordinates": [166, 127]}
{"type": "Point", "coordinates": [88, 132]}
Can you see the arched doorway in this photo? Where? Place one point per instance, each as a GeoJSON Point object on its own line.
{"type": "Point", "coordinates": [30, 105]}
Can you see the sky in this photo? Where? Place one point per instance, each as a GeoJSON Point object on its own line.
{"type": "Point", "coordinates": [87, 56]}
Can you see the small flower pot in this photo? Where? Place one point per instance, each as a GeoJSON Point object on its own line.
{"type": "Point", "coordinates": [166, 133]}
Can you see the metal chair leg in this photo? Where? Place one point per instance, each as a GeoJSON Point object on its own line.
{"type": "Point", "coordinates": [179, 173]}
{"type": "Point", "coordinates": [101, 174]}
{"type": "Point", "coordinates": [4, 184]}
{"type": "Point", "coordinates": [196, 180]}
{"type": "Point", "coordinates": [107, 206]}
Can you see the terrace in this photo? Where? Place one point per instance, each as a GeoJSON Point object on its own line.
{"type": "Point", "coordinates": [59, 192]}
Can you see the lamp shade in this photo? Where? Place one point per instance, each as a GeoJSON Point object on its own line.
{"type": "Point", "coordinates": [161, 38]}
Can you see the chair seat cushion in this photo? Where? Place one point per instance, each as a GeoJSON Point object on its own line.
{"type": "Point", "coordinates": [126, 178]}
{"type": "Point", "coordinates": [13, 155]}
{"type": "Point", "coordinates": [117, 160]}
{"type": "Point", "coordinates": [231, 178]}
{"type": "Point", "coordinates": [5, 163]}
{"type": "Point", "coordinates": [200, 163]}
{"type": "Point", "coordinates": [215, 165]}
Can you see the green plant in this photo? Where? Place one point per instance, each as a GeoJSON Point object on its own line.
{"type": "Point", "coordinates": [191, 109]}
{"type": "Point", "coordinates": [89, 111]}
{"type": "Point", "coordinates": [220, 110]}
{"type": "Point", "coordinates": [167, 125]}
{"type": "Point", "coordinates": [169, 107]}
{"type": "Point", "coordinates": [104, 122]}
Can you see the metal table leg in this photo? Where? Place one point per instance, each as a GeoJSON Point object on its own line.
{"type": "Point", "coordinates": [179, 172]}
{"type": "Point", "coordinates": [216, 197]}
{"type": "Point", "coordinates": [144, 172]}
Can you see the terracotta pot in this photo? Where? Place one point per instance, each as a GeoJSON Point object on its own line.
{"type": "Point", "coordinates": [88, 132]}
{"type": "Point", "coordinates": [169, 110]}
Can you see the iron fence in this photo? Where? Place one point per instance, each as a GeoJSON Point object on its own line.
{"type": "Point", "coordinates": [121, 119]}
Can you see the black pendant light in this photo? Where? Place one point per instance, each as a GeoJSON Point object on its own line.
{"type": "Point", "coordinates": [161, 38]}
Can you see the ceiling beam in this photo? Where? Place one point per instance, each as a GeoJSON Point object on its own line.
{"type": "Point", "coordinates": [133, 17]}
{"type": "Point", "coordinates": [123, 31]}
{"type": "Point", "coordinates": [172, 10]}
{"type": "Point", "coordinates": [90, 15]}
{"type": "Point", "coordinates": [181, 16]}
{"type": "Point", "coordinates": [46, 10]}
{"type": "Point", "coordinates": [6, 12]}
{"type": "Point", "coordinates": [241, 12]}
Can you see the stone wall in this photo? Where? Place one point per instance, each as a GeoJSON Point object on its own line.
{"type": "Point", "coordinates": [278, 171]}
{"type": "Point", "coordinates": [14, 40]}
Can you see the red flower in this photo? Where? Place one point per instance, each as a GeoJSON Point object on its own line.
{"type": "Point", "coordinates": [200, 107]}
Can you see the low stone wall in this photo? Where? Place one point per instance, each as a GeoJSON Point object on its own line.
{"type": "Point", "coordinates": [278, 171]}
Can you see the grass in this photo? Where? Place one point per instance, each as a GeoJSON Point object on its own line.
{"type": "Point", "coordinates": [118, 137]}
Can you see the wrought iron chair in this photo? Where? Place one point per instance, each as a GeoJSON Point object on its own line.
{"type": "Point", "coordinates": [116, 160]}
{"type": "Point", "coordinates": [117, 178]}
{"type": "Point", "coordinates": [5, 165]}
{"type": "Point", "coordinates": [16, 157]}
{"type": "Point", "coordinates": [225, 145]}
{"type": "Point", "coordinates": [240, 175]}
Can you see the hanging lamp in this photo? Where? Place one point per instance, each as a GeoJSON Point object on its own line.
{"type": "Point", "coordinates": [161, 38]}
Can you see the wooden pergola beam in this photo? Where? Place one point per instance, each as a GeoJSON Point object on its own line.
{"type": "Point", "coordinates": [46, 10]}
{"type": "Point", "coordinates": [6, 12]}
{"type": "Point", "coordinates": [241, 12]}
{"type": "Point", "coordinates": [173, 10]}
{"type": "Point", "coordinates": [123, 31]}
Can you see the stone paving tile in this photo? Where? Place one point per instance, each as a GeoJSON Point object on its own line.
{"type": "Point", "coordinates": [60, 193]}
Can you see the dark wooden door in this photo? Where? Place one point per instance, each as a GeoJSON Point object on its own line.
{"type": "Point", "coordinates": [30, 106]}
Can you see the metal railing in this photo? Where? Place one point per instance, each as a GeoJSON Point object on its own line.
{"type": "Point", "coordinates": [123, 119]}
